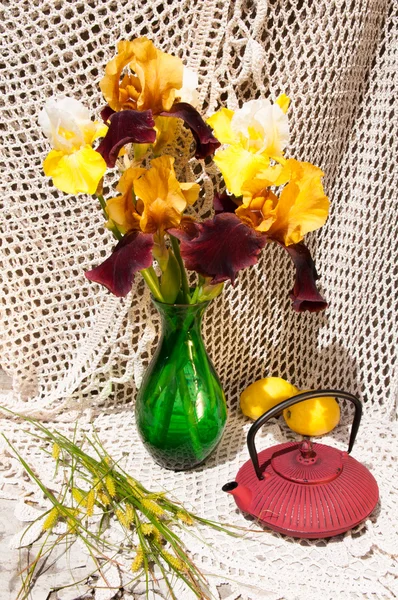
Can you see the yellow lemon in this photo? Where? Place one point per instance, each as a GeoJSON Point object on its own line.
{"type": "Point", "coordinates": [313, 417]}
{"type": "Point", "coordinates": [264, 394]}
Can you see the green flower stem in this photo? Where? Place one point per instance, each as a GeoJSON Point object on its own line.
{"type": "Point", "coordinates": [103, 205]}
{"type": "Point", "coordinates": [113, 226]}
{"type": "Point", "coordinates": [184, 280]}
{"type": "Point", "coordinates": [205, 364]}
{"type": "Point", "coordinates": [195, 294]}
{"type": "Point", "coordinates": [167, 375]}
{"type": "Point", "coordinates": [190, 413]}
{"type": "Point", "coordinates": [152, 281]}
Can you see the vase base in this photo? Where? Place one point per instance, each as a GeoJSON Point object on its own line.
{"type": "Point", "coordinates": [177, 466]}
{"type": "Point", "coordinates": [178, 462]}
{"type": "Point", "coordinates": [179, 469]}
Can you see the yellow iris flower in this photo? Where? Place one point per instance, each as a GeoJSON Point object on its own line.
{"type": "Point", "coordinates": [152, 82]}
{"type": "Point", "coordinates": [254, 134]}
{"type": "Point", "coordinates": [259, 212]}
{"type": "Point", "coordinates": [73, 164]}
{"type": "Point", "coordinates": [121, 209]}
{"type": "Point", "coordinates": [160, 199]}
{"type": "Point", "coordinates": [302, 206]}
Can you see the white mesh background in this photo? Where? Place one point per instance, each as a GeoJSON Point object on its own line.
{"type": "Point", "coordinates": [69, 345]}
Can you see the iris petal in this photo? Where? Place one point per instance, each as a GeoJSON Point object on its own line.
{"type": "Point", "coordinates": [160, 75]}
{"type": "Point", "coordinates": [106, 113]}
{"type": "Point", "coordinates": [220, 122]}
{"type": "Point", "coordinates": [302, 206]}
{"type": "Point", "coordinates": [225, 203]}
{"type": "Point", "coordinates": [206, 143]}
{"type": "Point", "coordinates": [128, 126]}
{"type": "Point", "coordinates": [305, 294]}
{"type": "Point", "coordinates": [121, 209]}
{"type": "Point", "coordinates": [238, 165]}
{"type": "Point", "coordinates": [109, 84]}
{"type": "Point", "coordinates": [133, 253]}
{"type": "Point", "coordinates": [163, 197]}
{"type": "Point", "coordinates": [218, 248]}
{"type": "Point", "coordinates": [165, 133]}
{"type": "Point", "coordinates": [77, 172]}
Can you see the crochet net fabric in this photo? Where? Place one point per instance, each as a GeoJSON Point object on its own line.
{"type": "Point", "coordinates": [74, 350]}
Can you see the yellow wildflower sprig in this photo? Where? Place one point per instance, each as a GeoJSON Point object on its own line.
{"type": "Point", "coordinates": [153, 516]}
{"type": "Point", "coordinates": [185, 517]}
{"type": "Point", "coordinates": [51, 519]}
{"type": "Point", "coordinates": [175, 563]}
{"type": "Point", "coordinates": [90, 501]}
{"type": "Point", "coordinates": [138, 561]}
{"type": "Point", "coordinates": [56, 451]}
{"type": "Point", "coordinates": [79, 496]}
{"type": "Point", "coordinates": [110, 486]}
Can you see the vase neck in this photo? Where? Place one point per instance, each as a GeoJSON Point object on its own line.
{"type": "Point", "coordinates": [181, 316]}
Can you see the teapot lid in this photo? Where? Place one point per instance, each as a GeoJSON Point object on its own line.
{"type": "Point", "coordinates": [308, 463]}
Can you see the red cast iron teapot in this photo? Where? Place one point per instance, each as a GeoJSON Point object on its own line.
{"type": "Point", "coordinates": [305, 489]}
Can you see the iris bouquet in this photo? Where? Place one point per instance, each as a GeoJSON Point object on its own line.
{"type": "Point", "coordinates": [151, 105]}
{"type": "Point", "coordinates": [269, 198]}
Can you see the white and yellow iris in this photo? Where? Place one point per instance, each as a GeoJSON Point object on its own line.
{"type": "Point", "coordinates": [253, 161]}
{"type": "Point", "coordinates": [254, 134]}
{"type": "Point", "coordinates": [73, 164]}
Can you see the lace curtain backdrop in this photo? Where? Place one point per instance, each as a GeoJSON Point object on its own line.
{"type": "Point", "coordinates": [73, 350]}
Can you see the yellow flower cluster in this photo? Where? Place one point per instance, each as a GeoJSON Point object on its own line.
{"type": "Point", "coordinates": [154, 81]}
{"type": "Point", "coordinates": [148, 92]}
{"type": "Point", "coordinates": [173, 561]}
{"type": "Point", "coordinates": [110, 485]}
{"type": "Point", "coordinates": [185, 517]}
{"type": "Point", "coordinates": [56, 451]}
{"type": "Point", "coordinates": [301, 207]}
{"type": "Point", "coordinates": [152, 507]}
{"type": "Point", "coordinates": [138, 561]}
{"type": "Point", "coordinates": [253, 161]}
{"type": "Point", "coordinates": [90, 502]}
{"type": "Point", "coordinates": [51, 519]}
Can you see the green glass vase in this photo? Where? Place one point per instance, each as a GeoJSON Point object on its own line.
{"type": "Point", "coordinates": [180, 407]}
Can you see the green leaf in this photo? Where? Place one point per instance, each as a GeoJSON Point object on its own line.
{"type": "Point", "coordinates": [209, 292]}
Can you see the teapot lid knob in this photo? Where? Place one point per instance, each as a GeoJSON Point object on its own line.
{"type": "Point", "coordinates": [307, 449]}
{"type": "Point", "coordinates": [307, 455]}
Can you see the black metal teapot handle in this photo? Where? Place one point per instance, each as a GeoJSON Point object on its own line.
{"type": "Point", "coordinates": [276, 410]}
